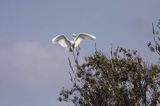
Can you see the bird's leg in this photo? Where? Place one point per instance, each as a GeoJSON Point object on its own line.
{"type": "Point", "coordinates": [73, 54]}
{"type": "Point", "coordinates": [77, 54]}
{"type": "Point", "coordinates": [77, 51]}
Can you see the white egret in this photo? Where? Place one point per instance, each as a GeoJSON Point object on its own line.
{"type": "Point", "coordinates": [71, 45]}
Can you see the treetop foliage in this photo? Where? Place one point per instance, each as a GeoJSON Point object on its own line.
{"type": "Point", "coordinates": [121, 79]}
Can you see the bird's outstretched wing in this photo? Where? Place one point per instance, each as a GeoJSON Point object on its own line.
{"type": "Point", "coordinates": [62, 40]}
{"type": "Point", "coordinates": [83, 36]}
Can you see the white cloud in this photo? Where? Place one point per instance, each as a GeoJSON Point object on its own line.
{"type": "Point", "coordinates": [29, 66]}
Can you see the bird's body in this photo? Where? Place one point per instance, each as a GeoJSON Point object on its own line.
{"type": "Point", "coordinates": [64, 42]}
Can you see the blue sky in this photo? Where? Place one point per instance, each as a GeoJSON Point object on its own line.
{"type": "Point", "coordinates": [32, 70]}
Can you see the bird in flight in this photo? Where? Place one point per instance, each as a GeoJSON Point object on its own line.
{"type": "Point", "coordinates": [72, 44]}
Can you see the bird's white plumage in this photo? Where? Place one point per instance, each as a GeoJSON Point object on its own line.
{"type": "Point", "coordinates": [64, 42]}
{"type": "Point", "coordinates": [83, 36]}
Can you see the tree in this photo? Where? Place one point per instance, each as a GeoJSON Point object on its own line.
{"type": "Point", "coordinates": [120, 79]}
{"type": "Point", "coordinates": [155, 46]}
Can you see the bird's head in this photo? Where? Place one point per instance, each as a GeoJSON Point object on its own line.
{"type": "Point", "coordinates": [74, 36]}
